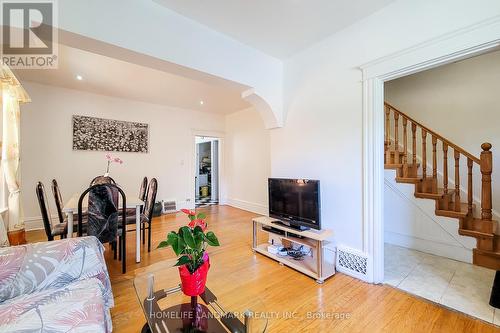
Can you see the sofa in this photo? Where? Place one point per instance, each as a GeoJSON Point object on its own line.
{"type": "Point", "coordinates": [58, 286]}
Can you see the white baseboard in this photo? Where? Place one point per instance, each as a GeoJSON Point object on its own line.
{"type": "Point", "coordinates": [248, 206]}
{"type": "Point", "coordinates": [440, 249]}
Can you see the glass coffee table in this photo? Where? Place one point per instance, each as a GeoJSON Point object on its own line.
{"type": "Point", "coordinates": [167, 309]}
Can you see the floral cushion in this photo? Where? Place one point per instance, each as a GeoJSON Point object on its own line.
{"type": "Point", "coordinates": [37, 267]}
{"type": "Point", "coordinates": [77, 307]}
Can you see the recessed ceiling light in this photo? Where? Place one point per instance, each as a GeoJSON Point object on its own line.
{"type": "Point", "coordinates": [79, 77]}
{"type": "Point", "coordinates": [201, 102]}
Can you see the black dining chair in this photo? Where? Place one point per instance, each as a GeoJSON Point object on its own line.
{"type": "Point", "coordinates": [103, 217]}
{"type": "Point", "coordinates": [142, 196]}
{"type": "Point", "coordinates": [102, 180]}
{"type": "Point", "coordinates": [147, 213]}
{"type": "Point", "coordinates": [58, 199]}
{"type": "Point", "coordinates": [51, 229]}
{"type": "Point", "coordinates": [105, 180]}
{"type": "Point", "coordinates": [143, 189]}
{"type": "Point", "coordinates": [59, 206]}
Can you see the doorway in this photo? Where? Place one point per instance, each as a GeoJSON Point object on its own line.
{"type": "Point", "coordinates": [429, 224]}
{"type": "Point", "coordinates": [456, 45]}
{"type": "Point", "coordinates": [207, 171]}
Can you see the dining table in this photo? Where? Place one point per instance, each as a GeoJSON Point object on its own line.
{"type": "Point", "coordinates": [133, 201]}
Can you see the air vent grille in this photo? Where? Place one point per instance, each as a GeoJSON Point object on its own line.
{"type": "Point", "coordinates": [169, 206]}
{"type": "Point", "coordinates": [352, 262]}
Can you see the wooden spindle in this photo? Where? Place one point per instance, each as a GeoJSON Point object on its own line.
{"type": "Point", "coordinates": [387, 133]}
{"type": "Point", "coordinates": [434, 157]}
{"type": "Point", "coordinates": [457, 180]}
{"type": "Point", "coordinates": [486, 169]}
{"type": "Point", "coordinates": [434, 164]}
{"type": "Point", "coordinates": [387, 125]}
{"type": "Point", "coordinates": [414, 147]}
{"type": "Point", "coordinates": [469, 185]}
{"type": "Point", "coordinates": [405, 147]}
{"type": "Point", "coordinates": [424, 153]}
{"type": "Point", "coordinates": [445, 167]}
{"type": "Point", "coordinates": [396, 134]}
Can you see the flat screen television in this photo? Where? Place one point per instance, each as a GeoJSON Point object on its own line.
{"type": "Point", "coordinates": [295, 202]}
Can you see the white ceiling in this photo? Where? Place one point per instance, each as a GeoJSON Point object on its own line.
{"type": "Point", "coordinates": [277, 27]}
{"type": "Point", "coordinates": [112, 77]}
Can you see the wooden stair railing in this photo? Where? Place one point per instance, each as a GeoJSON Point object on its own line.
{"type": "Point", "coordinates": [448, 200]}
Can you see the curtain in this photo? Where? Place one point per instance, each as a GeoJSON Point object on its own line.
{"type": "Point", "coordinates": [12, 95]}
{"type": "Point", "coordinates": [4, 241]}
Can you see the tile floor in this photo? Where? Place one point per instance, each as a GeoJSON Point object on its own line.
{"type": "Point", "coordinates": [454, 284]}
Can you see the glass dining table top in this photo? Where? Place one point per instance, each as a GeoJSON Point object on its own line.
{"type": "Point", "coordinates": [219, 309]}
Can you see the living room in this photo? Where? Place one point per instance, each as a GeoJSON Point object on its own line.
{"type": "Point", "coordinates": [298, 113]}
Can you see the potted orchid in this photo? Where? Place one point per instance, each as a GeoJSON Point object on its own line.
{"type": "Point", "coordinates": [110, 159]}
{"type": "Point", "coordinates": [189, 244]}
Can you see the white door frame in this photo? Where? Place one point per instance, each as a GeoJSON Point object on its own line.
{"type": "Point", "coordinates": [221, 178]}
{"type": "Point", "coordinates": [464, 43]}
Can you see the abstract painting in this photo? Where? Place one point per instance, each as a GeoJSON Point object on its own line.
{"type": "Point", "coordinates": [90, 133]}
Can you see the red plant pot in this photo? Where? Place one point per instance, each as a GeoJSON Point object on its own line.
{"type": "Point", "coordinates": [194, 284]}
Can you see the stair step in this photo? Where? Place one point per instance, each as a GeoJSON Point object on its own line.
{"type": "Point", "coordinates": [399, 165]}
{"type": "Point", "coordinates": [464, 210]}
{"type": "Point", "coordinates": [482, 226]}
{"type": "Point", "coordinates": [496, 243]}
{"type": "Point", "coordinates": [425, 195]}
{"type": "Point", "coordinates": [475, 234]}
{"type": "Point", "coordinates": [410, 180]}
{"type": "Point", "coordinates": [488, 259]}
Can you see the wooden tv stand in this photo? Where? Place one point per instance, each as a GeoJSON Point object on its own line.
{"type": "Point", "coordinates": [320, 266]}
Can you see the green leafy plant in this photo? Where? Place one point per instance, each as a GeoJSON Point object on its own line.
{"type": "Point", "coordinates": [190, 242]}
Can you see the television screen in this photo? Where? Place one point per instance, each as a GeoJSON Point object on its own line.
{"type": "Point", "coordinates": [295, 201]}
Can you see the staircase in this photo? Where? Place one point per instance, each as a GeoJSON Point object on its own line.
{"type": "Point", "coordinates": [450, 202]}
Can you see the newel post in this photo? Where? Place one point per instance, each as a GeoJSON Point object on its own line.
{"type": "Point", "coordinates": [486, 169]}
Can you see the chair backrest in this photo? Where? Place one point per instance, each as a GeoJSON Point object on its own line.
{"type": "Point", "coordinates": [103, 211]}
{"type": "Point", "coordinates": [59, 201]}
{"type": "Point", "coordinates": [102, 180]}
{"type": "Point", "coordinates": [150, 199]}
{"type": "Point", "coordinates": [44, 209]}
{"type": "Point", "coordinates": [99, 180]}
{"type": "Point", "coordinates": [143, 189]}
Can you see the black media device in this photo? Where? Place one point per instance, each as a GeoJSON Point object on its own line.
{"type": "Point", "coordinates": [295, 202]}
{"type": "Point", "coordinates": [274, 230]}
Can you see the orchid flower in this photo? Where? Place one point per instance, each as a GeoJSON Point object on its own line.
{"type": "Point", "coordinates": [112, 159]}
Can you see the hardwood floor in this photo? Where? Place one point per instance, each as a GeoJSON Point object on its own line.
{"type": "Point", "coordinates": [365, 307]}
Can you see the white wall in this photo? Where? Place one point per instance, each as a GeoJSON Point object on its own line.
{"type": "Point", "coordinates": [322, 137]}
{"type": "Point", "coordinates": [412, 223]}
{"type": "Point", "coordinates": [247, 161]}
{"type": "Point", "coordinates": [46, 136]}
{"type": "Point", "coordinates": [461, 102]}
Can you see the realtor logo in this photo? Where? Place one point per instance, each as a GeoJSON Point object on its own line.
{"type": "Point", "coordinates": [29, 39]}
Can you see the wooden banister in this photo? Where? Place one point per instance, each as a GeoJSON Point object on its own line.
{"type": "Point", "coordinates": [447, 193]}
{"type": "Point", "coordinates": [485, 162]}
{"type": "Point", "coordinates": [431, 132]}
